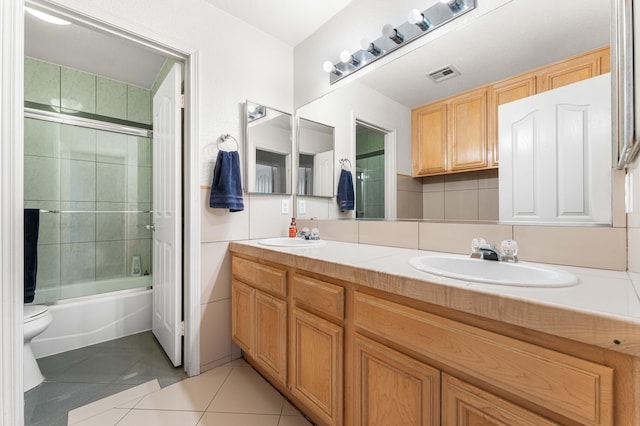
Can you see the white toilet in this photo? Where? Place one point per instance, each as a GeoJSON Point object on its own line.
{"type": "Point", "coordinates": [36, 320]}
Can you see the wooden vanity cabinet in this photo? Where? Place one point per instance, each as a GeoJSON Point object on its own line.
{"type": "Point", "coordinates": [317, 347]}
{"type": "Point", "coordinates": [259, 315]}
{"type": "Point", "coordinates": [574, 69]}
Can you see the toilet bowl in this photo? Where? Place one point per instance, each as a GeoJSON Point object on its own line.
{"type": "Point", "coordinates": [36, 320]}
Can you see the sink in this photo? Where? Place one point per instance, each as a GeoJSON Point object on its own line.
{"type": "Point", "coordinates": [290, 242]}
{"type": "Point", "coordinates": [521, 274]}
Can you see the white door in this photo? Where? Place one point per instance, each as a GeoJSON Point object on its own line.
{"type": "Point", "coordinates": [323, 174]}
{"type": "Point", "coordinates": [555, 155]}
{"type": "Point", "coordinates": [167, 220]}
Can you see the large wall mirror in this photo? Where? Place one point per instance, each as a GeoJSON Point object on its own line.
{"type": "Point", "coordinates": [268, 150]}
{"type": "Point", "coordinates": [315, 142]}
{"type": "Point", "coordinates": [515, 37]}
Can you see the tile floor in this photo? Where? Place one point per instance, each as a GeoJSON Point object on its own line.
{"type": "Point", "coordinates": [151, 392]}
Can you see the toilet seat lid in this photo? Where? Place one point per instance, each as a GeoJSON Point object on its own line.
{"type": "Point", "coordinates": [33, 311]}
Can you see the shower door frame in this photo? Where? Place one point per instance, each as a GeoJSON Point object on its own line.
{"type": "Point", "coordinates": [12, 194]}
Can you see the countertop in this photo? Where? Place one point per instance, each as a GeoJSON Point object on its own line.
{"type": "Point", "coordinates": [603, 309]}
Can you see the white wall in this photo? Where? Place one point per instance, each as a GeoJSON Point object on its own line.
{"type": "Point", "coordinates": [339, 109]}
{"type": "Point", "coordinates": [230, 52]}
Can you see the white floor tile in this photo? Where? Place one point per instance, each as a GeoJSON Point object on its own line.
{"type": "Point", "coordinates": [289, 410]}
{"type": "Point", "coordinates": [245, 391]}
{"type": "Point", "coordinates": [294, 421]}
{"type": "Point", "coordinates": [105, 404]}
{"type": "Point", "coordinates": [160, 418]}
{"type": "Point", "coordinates": [228, 419]}
{"type": "Point", "coordinates": [107, 418]}
{"type": "Point", "coordinates": [193, 394]}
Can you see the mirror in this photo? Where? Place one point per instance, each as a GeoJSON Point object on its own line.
{"type": "Point", "coordinates": [268, 150]}
{"type": "Point", "coordinates": [514, 37]}
{"type": "Point", "coordinates": [315, 159]}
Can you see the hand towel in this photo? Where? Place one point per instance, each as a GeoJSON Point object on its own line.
{"type": "Point", "coordinates": [345, 191]}
{"type": "Point", "coordinates": [226, 188]}
{"type": "Point", "coordinates": [31, 229]}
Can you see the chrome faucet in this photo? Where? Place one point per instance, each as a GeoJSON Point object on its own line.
{"type": "Point", "coordinates": [481, 250]}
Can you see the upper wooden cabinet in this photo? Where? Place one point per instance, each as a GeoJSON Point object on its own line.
{"type": "Point", "coordinates": [460, 133]}
{"type": "Point", "coordinates": [451, 135]}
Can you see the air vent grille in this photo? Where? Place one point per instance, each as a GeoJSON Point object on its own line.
{"type": "Point", "coordinates": [443, 73]}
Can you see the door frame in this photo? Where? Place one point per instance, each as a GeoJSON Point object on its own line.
{"type": "Point", "coordinates": [390, 165]}
{"type": "Point", "coordinates": [12, 194]}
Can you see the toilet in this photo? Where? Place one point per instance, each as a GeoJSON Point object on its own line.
{"type": "Point", "coordinates": [36, 320]}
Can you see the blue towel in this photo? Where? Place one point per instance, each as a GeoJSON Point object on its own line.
{"type": "Point", "coordinates": [226, 188]}
{"type": "Point", "coordinates": [31, 226]}
{"type": "Point", "coordinates": [345, 191]}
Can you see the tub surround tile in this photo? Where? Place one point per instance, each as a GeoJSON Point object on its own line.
{"type": "Point", "coordinates": [111, 183]}
{"type": "Point", "coordinates": [111, 147]}
{"type": "Point", "coordinates": [140, 248]}
{"type": "Point", "coordinates": [139, 184]}
{"type": "Point", "coordinates": [139, 151]}
{"type": "Point", "coordinates": [77, 262]}
{"type": "Point", "coordinates": [77, 227]}
{"type": "Point", "coordinates": [49, 229]}
{"type": "Point", "coordinates": [110, 226]}
{"type": "Point", "coordinates": [41, 178]}
{"type": "Point", "coordinates": [78, 90]}
{"type": "Point", "coordinates": [48, 275]}
{"type": "Point", "coordinates": [111, 99]}
{"type": "Point", "coordinates": [77, 180]}
{"type": "Point", "coordinates": [41, 82]}
{"type": "Point", "coordinates": [110, 259]}
{"type": "Point", "coordinates": [594, 247]}
{"type": "Point", "coordinates": [138, 104]}
{"type": "Point", "coordinates": [394, 234]}
{"type": "Point", "coordinates": [77, 143]}
{"type": "Point", "coordinates": [41, 138]}
{"type": "Point", "coordinates": [137, 222]}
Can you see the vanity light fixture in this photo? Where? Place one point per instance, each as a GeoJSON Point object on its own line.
{"type": "Point", "coordinates": [348, 58]}
{"type": "Point", "coordinates": [418, 24]}
{"type": "Point", "coordinates": [329, 67]}
{"type": "Point", "coordinates": [454, 5]}
{"type": "Point", "coordinates": [46, 17]}
{"type": "Point", "coordinates": [255, 111]}
{"type": "Point", "coordinates": [392, 33]}
{"type": "Point", "coordinates": [367, 46]}
{"type": "Point", "coordinates": [417, 18]}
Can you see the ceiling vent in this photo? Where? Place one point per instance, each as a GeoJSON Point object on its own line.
{"type": "Point", "coordinates": [443, 73]}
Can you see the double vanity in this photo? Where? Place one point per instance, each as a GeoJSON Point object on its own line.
{"type": "Point", "coordinates": [360, 334]}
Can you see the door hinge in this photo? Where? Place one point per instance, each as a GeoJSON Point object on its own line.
{"type": "Point", "coordinates": [182, 101]}
{"type": "Point", "coordinates": [182, 328]}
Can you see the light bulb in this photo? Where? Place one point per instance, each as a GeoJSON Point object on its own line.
{"type": "Point", "coordinates": [369, 47]}
{"type": "Point", "coordinates": [251, 108]}
{"type": "Point", "coordinates": [415, 16]}
{"type": "Point", "coordinates": [327, 66]}
{"type": "Point", "coordinates": [345, 56]}
{"type": "Point", "coordinates": [365, 44]}
{"type": "Point", "coordinates": [392, 33]}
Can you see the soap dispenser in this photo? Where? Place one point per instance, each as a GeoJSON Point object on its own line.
{"type": "Point", "coordinates": [293, 228]}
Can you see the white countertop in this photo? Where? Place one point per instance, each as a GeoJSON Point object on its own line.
{"type": "Point", "coordinates": [602, 292]}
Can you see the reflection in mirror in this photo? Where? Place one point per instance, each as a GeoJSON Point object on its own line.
{"type": "Point", "coordinates": [315, 159]}
{"type": "Point", "coordinates": [494, 45]}
{"type": "Point", "coordinates": [268, 150]}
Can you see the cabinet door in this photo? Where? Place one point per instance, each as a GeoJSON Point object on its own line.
{"type": "Point", "coordinates": [317, 377]}
{"type": "Point", "coordinates": [468, 131]}
{"type": "Point", "coordinates": [392, 388]}
{"type": "Point", "coordinates": [271, 337]}
{"type": "Point", "coordinates": [466, 405]}
{"type": "Point", "coordinates": [242, 315]}
{"type": "Point", "coordinates": [502, 93]}
{"type": "Point", "coordinates": [429, 139]}
{"type": "Point", "coordinates": [571, 71]}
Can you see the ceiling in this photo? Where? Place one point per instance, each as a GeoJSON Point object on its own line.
{"type": "Point", "coordinates": [78, 47]}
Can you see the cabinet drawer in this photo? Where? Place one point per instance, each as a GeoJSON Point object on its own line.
{"type": "Point", "coordinates": [267, 278]}
{"type": "Point", "coordinates": [575, 388]}
{"type": "Point", "coordinates": [318, 295]}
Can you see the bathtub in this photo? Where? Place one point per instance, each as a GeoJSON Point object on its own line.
{"type": "Point", "coordinates": [95, 312]}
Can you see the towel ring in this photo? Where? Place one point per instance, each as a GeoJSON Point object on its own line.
{"type": "Point", "coordinates": [345, 163]}
{"type": "Point", "coordinates": [224, 138]}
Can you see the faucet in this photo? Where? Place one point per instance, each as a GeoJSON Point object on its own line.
{"type": "Point", "coordinates": [481, 250]}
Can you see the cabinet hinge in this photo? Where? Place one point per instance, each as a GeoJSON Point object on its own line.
{"type": "Point", "coordinates": [182, 328]}
{"type": "Point", "coordinates": [182, 101]}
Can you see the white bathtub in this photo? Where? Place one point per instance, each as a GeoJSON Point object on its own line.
{"type": "Point", "coordinates": [85, 318]}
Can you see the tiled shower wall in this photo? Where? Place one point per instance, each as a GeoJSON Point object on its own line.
{"type": "Point", "coordinates": [81, 169]}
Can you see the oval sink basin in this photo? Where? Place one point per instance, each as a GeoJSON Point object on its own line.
{"type": "Point", "coordinates": [520, 274]}
{"type": "Point", "coordinates": [290, 242]}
